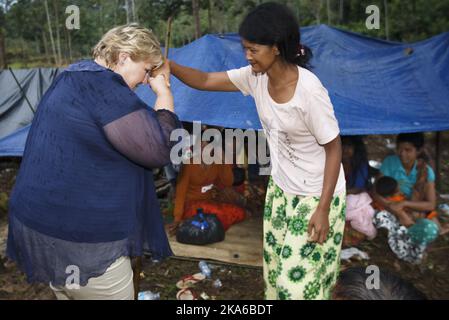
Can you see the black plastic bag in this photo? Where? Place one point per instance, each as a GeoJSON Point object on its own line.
{"type": "Point", "coordinates": [201, 229]}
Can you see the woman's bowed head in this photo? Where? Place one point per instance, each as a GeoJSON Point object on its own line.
{"type": "Point", "coordinates": [133, 52]}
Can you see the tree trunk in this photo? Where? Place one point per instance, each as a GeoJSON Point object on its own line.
{"type": "Point", "coordinates": [115, 12]}
{"type": "Point", "coordinates": [101, 18]}
{"type": "Point", "coordinates": [37, 44]}
{"type": "Point", "coordinates": [24, 53]}
{"type": "Point", "coordinates": [69, 44]}
{"type": "Point", "coordinates": [130, 11]}
{"type": "Point", "coordinates": [58, 38]}
{"type": "Point", "coordinates": [387, 32]}
{"type": "Point", "coordinates": [341, 16]}
{"type": "Point", "coordinates": [196, 17]}
{"type": "Point", "coordinates": [44, 40]}
{"type": "Point", "coordinates": [168, 35]}
{"type": "Point", "coordinates": [50, 32]}
{"type": "Point", "coordinates": [209, 15]}
{"type": "Point", "coordinates": [134, 11]}
{"type": "Point", "coordinates": [328, 12]}
{"type": "Point", "coordinates": [3, 63]}
{"type": "Point", "coordinates": [317, 11]}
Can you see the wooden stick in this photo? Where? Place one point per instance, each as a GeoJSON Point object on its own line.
{"type": "Point", "coordinates": [168, 36]}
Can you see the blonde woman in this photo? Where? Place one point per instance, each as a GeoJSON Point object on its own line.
{"type": "Point", "coordinates": [84, 201]}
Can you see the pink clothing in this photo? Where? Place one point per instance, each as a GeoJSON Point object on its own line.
{"type": "Point", "coordinates": [360, 214]}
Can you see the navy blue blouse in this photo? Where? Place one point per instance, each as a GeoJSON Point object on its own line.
{"type": "Point", "coordinates": [84, 195]}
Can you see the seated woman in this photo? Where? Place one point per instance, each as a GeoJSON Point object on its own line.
{"type": "Point", "coordinates": [207, 186]}
{"type": "Point", "coordinates": [409, 236]}
{"type": "Point", "coordinates": [355, 164]}
{"type": "Point", "coordinates": [359, 213]}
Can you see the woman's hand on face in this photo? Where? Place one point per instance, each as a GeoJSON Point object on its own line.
{"type": "Point", "coordinates": [158, 84]}
{"type": "Point", "coordinates": [165, 71]}
{"type": "Point", "coordinates": [319, 226]}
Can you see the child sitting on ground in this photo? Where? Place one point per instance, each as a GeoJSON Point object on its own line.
{"type": "Point", "coordinates": [388, 188]}
{"type": "Point", "coordinates": [409, 232]}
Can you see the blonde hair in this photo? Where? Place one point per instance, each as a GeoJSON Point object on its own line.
{"type": "Point", "coordinates": [139, 42]}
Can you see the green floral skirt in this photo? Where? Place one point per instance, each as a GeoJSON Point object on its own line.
{"type": "Point", "coordinates": [295, 269]}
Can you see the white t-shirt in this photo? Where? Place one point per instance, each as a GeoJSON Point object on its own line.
{"type": "Point", "coordinates": [295, 130]}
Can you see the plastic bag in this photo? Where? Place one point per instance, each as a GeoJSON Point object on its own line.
{"type": "Point", "coordinates": [201, 229]}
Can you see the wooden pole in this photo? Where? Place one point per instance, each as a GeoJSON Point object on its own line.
{"type": "Point", "coordinates": [50, 32]}
{"type": "Point", "coordinates": [168, 36]}
{"type": "Point", "coordinates": [3, 63]}
{"type": "Point", "coordinates": [387, 32]}
{"type": "Point", "coordinates": [58, 36]}
{"type": "Point", "coordinates": [196, 18]}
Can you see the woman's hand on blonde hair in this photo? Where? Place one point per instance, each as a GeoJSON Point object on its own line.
{"type": "Point", "coordinates": [163, 70]}
{"type": "Point", "coordinates": [158, 84]}
{"type": "Point", "coordinates": [164, 99]}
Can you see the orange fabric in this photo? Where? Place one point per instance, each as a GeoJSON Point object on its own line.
{"type": "Point", "coordinates": [432, 214]}
{"type": "Point", "coordinates": [228, 214]}
{"type": "Point", "coordinates": [396, 198]}
{"type": "Point", "coordinates": [399, 198]}
{"type": "Point", "coordinates": [191, 180]}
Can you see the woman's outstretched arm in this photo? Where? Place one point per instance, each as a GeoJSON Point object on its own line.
{"type": "Point", "coordinates": [207, 81]}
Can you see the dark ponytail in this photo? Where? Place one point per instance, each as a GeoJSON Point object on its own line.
{"type": "Point", "coordinates": [274, 24]}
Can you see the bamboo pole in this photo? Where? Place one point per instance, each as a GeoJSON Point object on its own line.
{"type": "Point", "coordinates": [52, 41]}
{"type": "Point", "coordinates": [58, 36]}
{"type": "Point", "coordinates": [387, 31]}
{"type": "Point", "coordinates": [168, 36]}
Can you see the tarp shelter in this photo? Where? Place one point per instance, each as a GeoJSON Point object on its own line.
{"type": "Point", "coordinates": [15, 111]}
{"type": "Point", "coordinates": [376, 86]}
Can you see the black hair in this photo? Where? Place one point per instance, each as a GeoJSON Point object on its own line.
{"type": "Point", "coordinates": [274, 24]}
{"type": "Point", "coordinates": [386, 186]}
{"type": "Point", "coordinates": [417, 139]}
{"type": "Point", "coordinates": [360, 157]}
{"type": "Point", "coordinates": [352, 285]}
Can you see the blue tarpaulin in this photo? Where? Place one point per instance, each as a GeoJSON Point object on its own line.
{"type": "Point", "coordinates": [376, 86]}
{"type": "Point", "coordinates": [14, 144]}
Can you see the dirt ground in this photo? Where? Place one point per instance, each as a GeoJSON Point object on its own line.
{"type": "Point", "coordinates": [245, 282]}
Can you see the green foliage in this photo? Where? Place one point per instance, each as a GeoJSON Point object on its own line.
{"type": "Point", "coordinates": [24, 22]}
